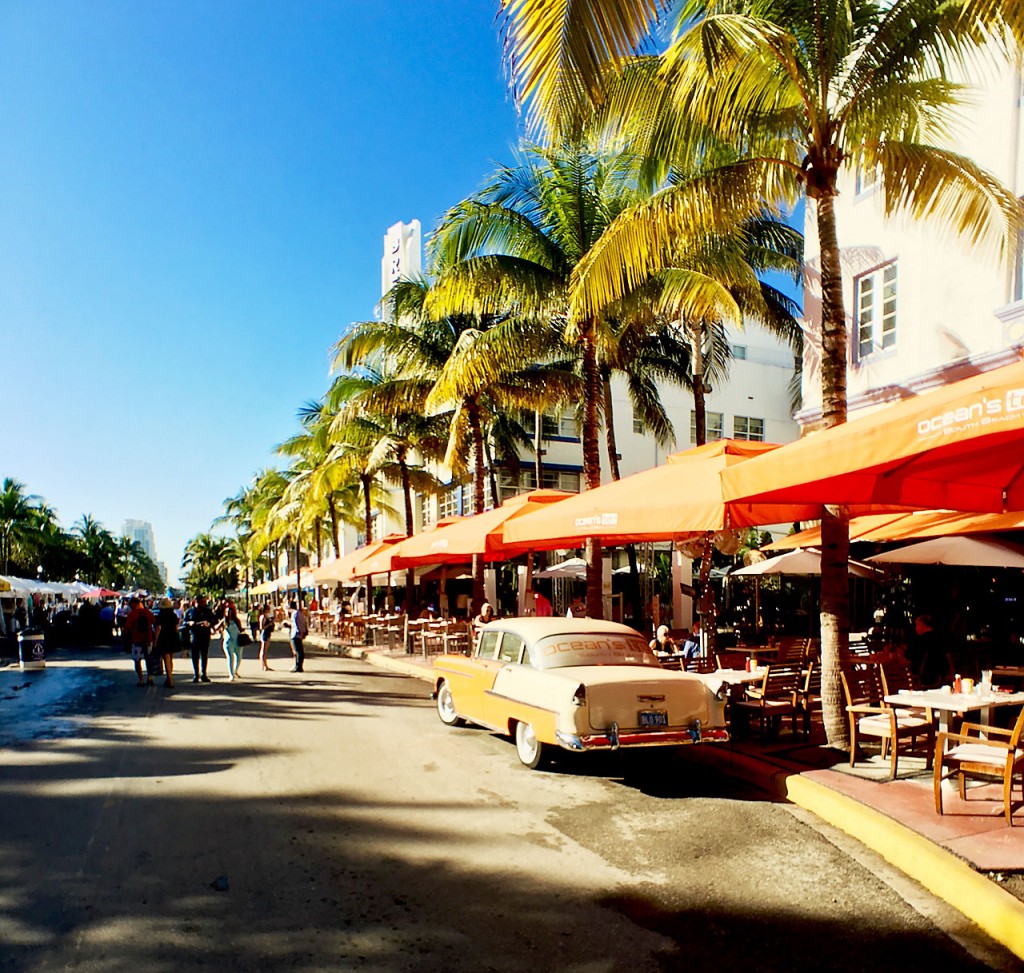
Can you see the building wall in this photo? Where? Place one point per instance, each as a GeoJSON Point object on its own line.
{"type": "Point", "coordinates": [957, 308]}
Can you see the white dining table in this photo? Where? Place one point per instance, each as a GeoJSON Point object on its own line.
{"type": "Point", "coordinates": [946, 704]}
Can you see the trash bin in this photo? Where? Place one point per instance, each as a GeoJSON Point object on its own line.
{"type": "Point", "coordinates": [31, 649]}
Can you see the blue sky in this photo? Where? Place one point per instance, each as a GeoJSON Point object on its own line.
{"type": "Point", "coordinates": [194, 200]}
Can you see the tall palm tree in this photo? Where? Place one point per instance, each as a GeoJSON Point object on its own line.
{"type": "Point", "coordinates": [18, 511]}
{"type": "Point", "coordinates": [795, 93]}
{"type": "Point", "coordinates": [97, 545]}
{"type": "Point", "coordinates": [437, 361]}
{"type": "Point", "coordinates": [514, 247]}
{"type": "Point", "coordinates": [378, 406]}
{"type": "Point", "coordinates": [204, 558]}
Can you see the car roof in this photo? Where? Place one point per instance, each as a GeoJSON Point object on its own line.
{"type": "Point", "coordinates": [532, 628]}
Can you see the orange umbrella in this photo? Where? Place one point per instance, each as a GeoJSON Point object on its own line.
{"type": "Point", "coordinates": [957, 448]}
{"type": "Point", "coordinates": [680, 499]}
{"type": "Point", "coordinates": [378, 557]}
{"type": "Point", "coordinates": [479, 534]}
{"type": "Point", "coordinates": [862, 528]}
{"type": "Point", "coordinates": [341, 569]}
{"type": "Point", "coordinates": [419, 548]}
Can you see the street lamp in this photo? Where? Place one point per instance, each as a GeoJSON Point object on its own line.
{"type": "Point", "coordinates": [39, 572]}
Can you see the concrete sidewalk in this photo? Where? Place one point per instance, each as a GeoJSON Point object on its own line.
{"type": "Point", "coordinates": [968, 857]}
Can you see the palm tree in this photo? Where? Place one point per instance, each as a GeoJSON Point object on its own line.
{"type": "Point", "coordinates": [99, 550]}
{"type": "Point", "coordinates": [514, 247]}
{"type": "Point", "coordinates": [18, 511]}
{"type": "Point", "coordinates": [204, 557]}
{"type": "Point", "coordinates": [439, 363]}
{"type": "Point", "coordinates": [382, 408]}
{"type": "Point", "coordinates": [795, 93]}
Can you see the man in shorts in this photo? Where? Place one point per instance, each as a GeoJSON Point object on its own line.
{"type": "Point", "coordinates": [139, 626]}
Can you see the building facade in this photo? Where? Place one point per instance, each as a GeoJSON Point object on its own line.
{"type": "Point", "coordinates": [923, 306]}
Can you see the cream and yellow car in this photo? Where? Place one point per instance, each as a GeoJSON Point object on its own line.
{"type": "Point", "coordinates": [575, 684]}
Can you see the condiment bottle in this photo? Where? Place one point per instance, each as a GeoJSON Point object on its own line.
{"type": "Point", "coordinates": [957, 684]}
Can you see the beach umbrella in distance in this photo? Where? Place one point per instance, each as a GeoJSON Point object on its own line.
{"type": "Point", "coordinates": [801, 562]}
{"type": "Point", "coordinates": [982, 552]}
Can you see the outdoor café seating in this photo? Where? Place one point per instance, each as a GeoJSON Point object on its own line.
{"type": "Point", "coordinates": [773, 699]}
{"type": "Point", "coordinates": [808, 696]}
{"type": "Point", "coordinates": [871, 717]}
{"type": "Point", "coordinates": [980, 753]}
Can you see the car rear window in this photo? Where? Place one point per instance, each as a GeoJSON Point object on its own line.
{"type": "Point", "coordinates": [559, 651]}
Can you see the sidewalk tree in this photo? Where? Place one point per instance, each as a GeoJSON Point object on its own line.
{"type": "Point", "coordinates": [795, 93]}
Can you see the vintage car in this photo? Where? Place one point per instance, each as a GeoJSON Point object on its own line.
{"type": "Point", "coordinates": [576, 684]}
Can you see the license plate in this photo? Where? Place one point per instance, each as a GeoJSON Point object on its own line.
{"type": "Point", "coordinates": [654, 717]}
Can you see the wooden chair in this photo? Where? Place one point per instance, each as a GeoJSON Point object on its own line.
{"type": "Point", "coordinates": [700, 663]}
{"type": "Point", "coordinates": [774, 698]}
{"type": "Point", "coordinates": [808, 697]}
{"type": "Point", "coordinates": [869, 716]}
{"type": "Point", "coordinates": [791, 650]}
{"type": "Point", "coordinates": [670, 662]}
{"type": "Point", "coordinates": [996, 756]}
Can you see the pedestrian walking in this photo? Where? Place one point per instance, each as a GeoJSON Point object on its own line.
{"type": "Point", "coordinates": [253, 618]}
{"type": "Point", "coordinates": [300, 628]}
{"type": "Point", "coordinates": [231, 628]}
{"type": "Point", "coordinates": [139, 626]}
{"type": "Point", "coordinates": [201, 621]}
{"type": "Point", "coordinates": [266, 627]}
{"type": "Point", "coordinates": [166, 641]}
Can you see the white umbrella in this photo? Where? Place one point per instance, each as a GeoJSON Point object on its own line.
{"type": "Point", "coordinates": [963, 550]}
{"type": "Point", "coordinates": [799, 562]}
{"type": "Point", "coordinates": [574, 567]}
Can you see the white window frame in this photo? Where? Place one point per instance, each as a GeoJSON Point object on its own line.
{"type": "Point", "coordinates": [742, 428]}
{"type": "Point", "coordinates": [876, 310]}
{"type": "Point", "coordinates": [714, 425]}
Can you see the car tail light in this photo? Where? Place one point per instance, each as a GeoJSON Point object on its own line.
{"type": "Point", "coordinates": [579, 698]}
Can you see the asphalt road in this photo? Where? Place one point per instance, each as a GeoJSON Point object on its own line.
{"type": "Point", "coordinates": [329, 821]}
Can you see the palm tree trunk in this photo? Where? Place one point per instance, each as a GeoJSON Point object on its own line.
{"type": "Point", "coordinates": [613, 464]}
{"type": "Point", "coordinates": [477, 437]}
{"type": "Point", "coordinates": [403, 468]}
{"type": "Point", "coordinates": [706, 594]}
{"type": "Point", "coordinates": [317, 542]}
{"type": "Point", "coordinates": [835, 523]}
{"type": "Point", "coordinates": [492, 477]}
{"type": "Point", "coordinates": [332, 510]}
{"type": "Point", "coordinates": [298, 574]}
{"type": "Point", "coordinates": [592, 462]}
{"type": "Point", "coordinates": [367, 507]}
{"type": "Point", "coordinates": [410, 576]}
{"type": "Point", "coordinates": [538, 447]}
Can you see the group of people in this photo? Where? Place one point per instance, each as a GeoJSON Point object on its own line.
{"type": "Point", "coordinates": [688, 647]}
{"type": "Point", "coordinates": [154, 638]}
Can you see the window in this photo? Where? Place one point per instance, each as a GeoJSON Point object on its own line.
{"type": "Point", "coordinates": [638, 426]}
{"type": "Point", "coordinates": [449, 503]}
{"type": "Point", "coordinates": [713, 422]}
{"type": "Point", "coordinates": [867, 179]}
{"type": "Point", "coordinates": [739, 352]}
{"type": "Point", "coordinates": [553, 480]}
{"type": "Point", "coordinates": [562, 426]}
{"type": "Point", "coordinates": [875, 310]}
{"type": "Point", "coordinates": [488, 645]}
{"type": "Point", "coordinates": [744, 427]}
{"type": "Point", "coordinates": [511, 648]}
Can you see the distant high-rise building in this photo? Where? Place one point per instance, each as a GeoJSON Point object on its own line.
{"type": "Point", "coordinates": [401, 254]}
{"type": "Point", "coordinates": [141, 531]}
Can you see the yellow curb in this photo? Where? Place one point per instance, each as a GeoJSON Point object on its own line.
{"type": "Point", "coordinates": [993, 909]}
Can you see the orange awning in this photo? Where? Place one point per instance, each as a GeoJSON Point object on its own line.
{"type": "Point", "coordinates": [342, 568]}
{"type": "Point", "coordinates": [957, 448]}
{"type": "Point", "coordinates": [680, 499]}
{"type": "Point", "coordinates": [379, 557]}
{"type": "Point", "coordinates": [479, 534]}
